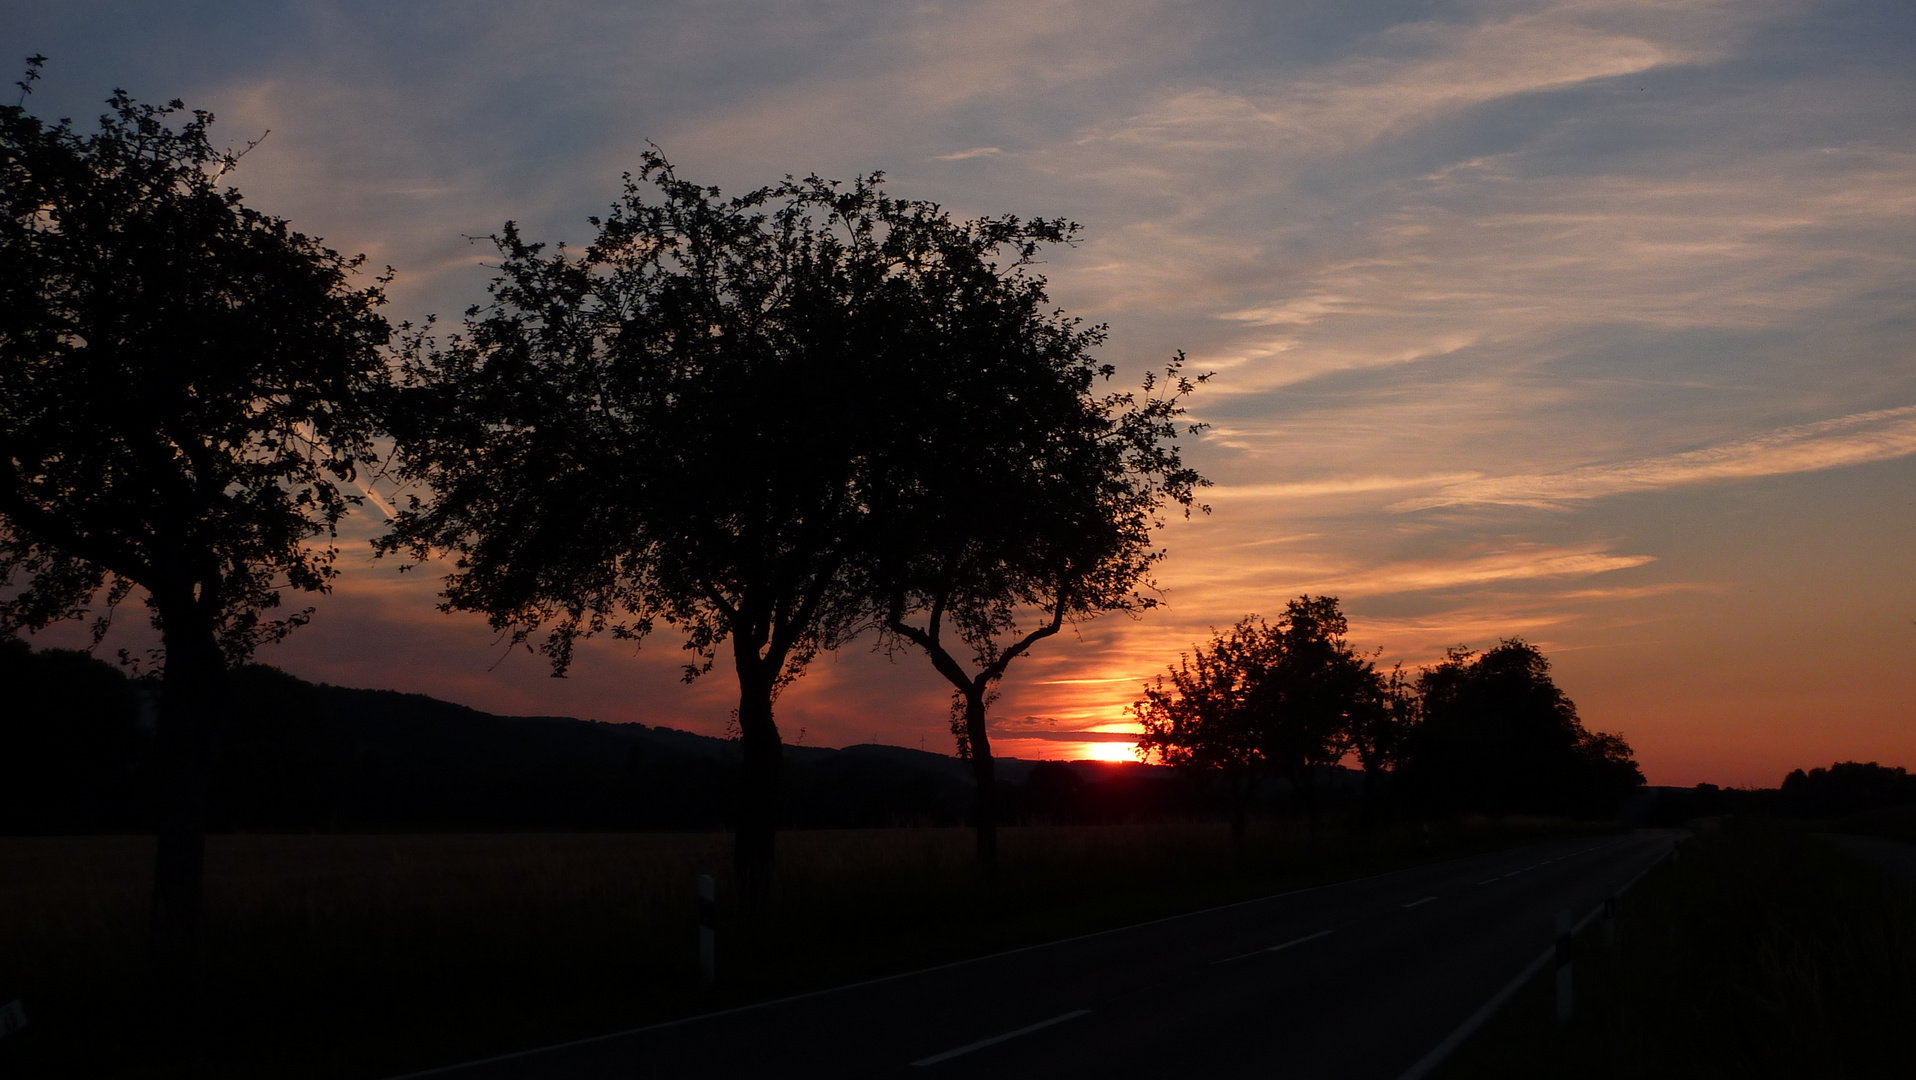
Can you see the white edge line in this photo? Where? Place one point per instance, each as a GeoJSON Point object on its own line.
{"type": "Point", "coordinates": [1469, 1027]}
{"type": "Point", "coordinates": [1425, 900]}
{"type": "Point", "coordinates": [436, 1070]}
{"type": "Point", "coordinates": [996, 1039]}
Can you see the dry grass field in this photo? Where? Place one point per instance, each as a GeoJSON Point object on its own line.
{"type": "Point", "coordinates": [367, 956]}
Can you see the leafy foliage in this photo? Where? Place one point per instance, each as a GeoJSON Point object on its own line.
{"type": "Point", "coordinates": [1271, 699]}
{"type": "Point", "coordinates": [1016, 493]}
{"type": "Point", "coordinates": [683, 422]}
{"type": "Point", "coordinates": [1305, 699]}
{"type": "Point", "coordinates": [1200, 718]}
{"type": "Point", "coordinates": [1490, 732]}
{"type": "Point", "coordinates": [1023, 499]}
{"type": "Point", "coordinates": [1497, 734]}
{"type": "Point", "coordinates": [187, 379]}
{"type": "Point", "coordinates": [747, 417]}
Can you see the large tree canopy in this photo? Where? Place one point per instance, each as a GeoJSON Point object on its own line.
{"type": "Point", "coordinates": [1196, 716]}
{"type": "Point", "coordinates": [704, 419]}
{"type": "Point", "coordinates": [1019, 494]}
{"type": "Point", "coordinates": [184, 379]}
{"type": "Point", "coordinates": [1497, 734]}
{"type": "Point", "coordinates": [1315, 685]}
{"type": "Point", "coordinates": [189, 388]}
{"type": "Point", "coordinates": [1265, 699]}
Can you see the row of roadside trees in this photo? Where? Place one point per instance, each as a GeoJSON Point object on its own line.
{"type": "Point", "coordinates": [766, 423]}
{"type": "Point", "coordinates": [1287, 699]}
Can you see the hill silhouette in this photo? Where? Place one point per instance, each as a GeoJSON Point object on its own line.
{"type": "Point", "coordinates": [301, 756]}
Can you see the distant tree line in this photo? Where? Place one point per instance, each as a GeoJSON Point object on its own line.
{"type": "Point", "coordinates": [1487, 732]}
{"type": "Point", "coordinates": [1846, 789]}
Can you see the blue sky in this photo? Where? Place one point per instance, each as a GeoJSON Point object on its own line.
{"type": "Point", "coordinates": [1593, 322]}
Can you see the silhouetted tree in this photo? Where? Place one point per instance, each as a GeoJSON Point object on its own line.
{"type": "Point", "coordinates": [1496, 734]}
{"type": "Point", "coordinates": [1016, 495]}
{"type": "Point", "coordinates": [1271, 699]}
{"type": "Point", "coordinates": [188, 385]}
{"type": "Point", "coordinates": [1305, 702]}
{"type": "Point", "coordinates": [699, 420]}
{"type": "Point", "coordinates": [1847, 787]}
{"type": "Point", "coordinates": [1200, 720]}
{"type": "Point", "coordinates": [1380, 722]}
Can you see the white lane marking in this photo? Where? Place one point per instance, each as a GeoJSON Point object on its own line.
{"type": "Point", "coordinates": [1425, 900]}
{"type": "Point", "coordinates": [1273, 948]}
{"type": "Point", "coordinates": [1489, 881]}
{"type": "Point", "coordinates": [1298, 941]}
{"type": "Point", "coordinates": [996, 1039]}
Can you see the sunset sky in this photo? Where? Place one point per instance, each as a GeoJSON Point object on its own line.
{"type": "Point", "coordinates": [1591, 322]}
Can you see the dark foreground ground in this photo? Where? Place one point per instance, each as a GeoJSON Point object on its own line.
{"type": "Point", "coordinates": [1358, 979]}
{"type": "Point", "coordinates": [1766, 950]}
{"type": "Point", "coordinates": [1896, 859]}
{"type": "Point", "coordinates": [334, 957]}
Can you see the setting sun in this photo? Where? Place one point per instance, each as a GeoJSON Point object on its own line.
{"type": "Point", "coordinates": [1101, 751]}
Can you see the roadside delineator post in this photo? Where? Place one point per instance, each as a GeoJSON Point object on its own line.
{"type": "Point", "coordinates": [708, 935]}
{"type": "Point", "coordinates": [1610, 920]}
{"type": "Point", "coordinates": [1564, 1002]}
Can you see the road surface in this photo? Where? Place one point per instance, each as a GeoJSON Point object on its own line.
{"type": "Point", "coordinates": [1357, 979]}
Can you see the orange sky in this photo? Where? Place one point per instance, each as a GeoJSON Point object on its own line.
{"type": "Point", "coordinates": [1592, 322]}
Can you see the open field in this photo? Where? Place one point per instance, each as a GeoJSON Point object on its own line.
{"type": "Point", "coordinates": [363, 956]}
{"type": "Point", "coordinates": [1762, 952]}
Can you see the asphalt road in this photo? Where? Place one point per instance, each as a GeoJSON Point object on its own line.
{"type": "Point", "coordinates": [1357, 979]}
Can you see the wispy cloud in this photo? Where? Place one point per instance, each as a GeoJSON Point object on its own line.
{"type": "Point", "coordinates": [966, 155]}
{"type": "Point", "coordinates": [1331, 487]}
{"type": "Point", "coordinates": [1849, 440]}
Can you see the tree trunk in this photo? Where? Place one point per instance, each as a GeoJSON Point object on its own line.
{"type": "Point", "coordinates": [984, 803]}
{"type": "Point", "coordinates": [1370, 798]}
{"type": "Point", "coordinates": [192, 699]}
{"type": "Point", "coordinates": [1304, 788]}
{"type": "Point", "coordinates": [1239, 789]}
{"type": "Point", "coordinates": [754, 844]}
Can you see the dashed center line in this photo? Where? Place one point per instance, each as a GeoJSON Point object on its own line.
{"type": "Point", "coordinates": [1298, 941]}
{"type": "Point", "coordinates": [1425, 900]}
{"type": "Point", "coordinates": [1274, 948]}
{"type": "Point", "coordinates": [996, 1039]}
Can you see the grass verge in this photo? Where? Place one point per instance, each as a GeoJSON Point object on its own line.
{"type": "Point", "coordinates": [1762, 952]}
{"type": "Point", "coordinates": [366, 956]}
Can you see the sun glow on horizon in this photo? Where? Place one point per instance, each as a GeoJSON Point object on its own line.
{"type": "Point", "coordinates": [1094, 751]}
{"type": "Point", "coordinates": [1102, 751]}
